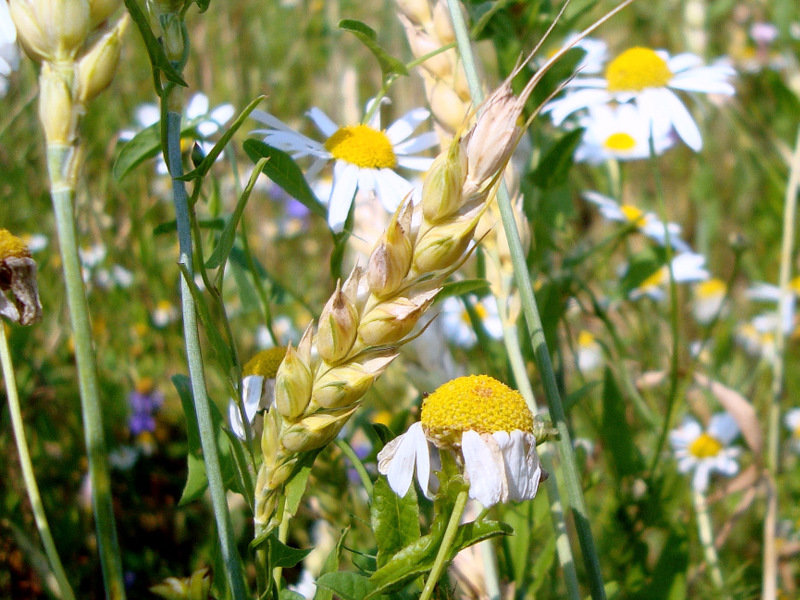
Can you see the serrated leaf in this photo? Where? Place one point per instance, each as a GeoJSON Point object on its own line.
{"type": "Point", "coordinates": [158, 59]}
{"type": "Point", "coordinates": [285, 172]}
{"type": "Point", "coordinates": [389, 64]}
{"type": "Point", "coordinates": [285, 556]}
{"type": "Point", "coordinates": [465, 286]}
{"type": "Point", "coordinates": [554, 167]}
{"type": "Point", "coordinates": [348, 586]}
{"type": "Point", "coordinates": [395, 520]}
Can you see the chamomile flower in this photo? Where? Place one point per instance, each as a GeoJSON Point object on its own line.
{"type": "Point", "coordinates": [9, 54]}
{"type": "Point", "coordinates": [647, 223]}
{"type": "Point", "coordinates": [258, 387]}
{"type": "Point", "coordinates": [757, 336]}
{"type": "Point", "coordinates": [687, 267]}
{"type": "Point", "coordinates": [164, 314]}
{"type": "Point", "coordinates": [792, 421]}
{"type": "Point", "coordinates": [620, 132]}
{"type": "Point", "coordinates": [708, 298]}
{"type": "Point", "coordinates": [649, 78]}
{"type": "Point", "coordinates": [705, 451]}
{"type": "Point", "coordinates": [364, 156]}
{"type": "Point", "coordinates": [457, 325]}
{"type": "Point", "coordinates": [486, 425]}
{"type": "Point", "coordinates": [590, 354]}
{"type": "Point", "coordinates": [765, 292]}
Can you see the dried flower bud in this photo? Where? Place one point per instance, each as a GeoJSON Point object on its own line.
{"type": "Point", "coordinates": [389, 322]}
{"type": "Point", "coordinates": [340, 387]}
{"type": "Point", "coordinates": [391, 259]}
{"type": "Point", "coordinates": [441, 191]}
{"type": "Point", "coordinates": [337, 328]}
{"type": "Point", "coordinates": [293, 384]}
{"type": "Point", "coordinates": [18, 277]}
{"type": "Point", "coordinates": [314, 431]}
{"type": "Point", "coordinates": [55, 106]}
{"type": "Point", "coordinates": [441, 246]}
{"type": "Point", "coordinates": [97, 67]}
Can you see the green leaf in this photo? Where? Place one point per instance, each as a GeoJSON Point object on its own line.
{"type": "Point", "coordinates": [555, 166]}
{"type": "Point", "coordinates": [202, 5]}
{"type": "Point", "coordinates": [285, 172]}
{"type": "Point", "coordinates": [296, 484]}
{"type": "Point", "coordinates": [641, 266]}
{"type": "Point", "coordinates": [285, 556]}
{"type": "Point", "coordinates": [331, 565]}
{"type": "Point", "coordinates": [220, 254]}
{"type": "Point", "coordinates": [540, 572]}
{"type": "Point", "coordinates": [243, 472]}
{"type": "Point", "coordinates": [210, 158]}
{"type": "Point", "coordinates": [158, 59]}
{"type": "Point", "coordinates": [395, 520]}
{"type": "Point", "coordinates": [170, 226]}
{"type": "Point", "coordinates": [184, 388]}
{"type": "Point", "coordinates": [287, 594]}
{"type": "Point", "coordinates": [145, 145]}
{"type": "Point", "coordinates": [247, 292]}
{"type": "Point", "coordinates": [196, 480]}
{"type": "Point", "coordinates": [348, 586]}
{"type": "Point", "coordinates": [389, 65]}
{"type": "Point", "coordinates": [616, 432]}
{"type": "Point", "coordinates": [465, 286]}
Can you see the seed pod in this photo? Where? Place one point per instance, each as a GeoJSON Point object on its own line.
{"type": "Point", "coordinates": [314, 431]}
{"type": "Point", "coordinates": [340, 387]}
{"type": "Point", "coordinates": [97, 68]}
{"type": "Point", "coordinates": [389, 322]}
{"type": "Point", "coordinates": [441, 192]}
{"type": "Point", "coordinates": [293, 381]}
{"type": "Point", "coordinates": [337, 329]}
{"type": "Point", "coordinates": [391, 259]}
{"type": "Point", "coordinates": [441, 246]}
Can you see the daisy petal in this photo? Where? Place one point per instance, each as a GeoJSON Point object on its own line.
{"type": "Point", "coordinates": [405, 125]}
{"type": "Point", "coordinates": [391, 189]}
{"type": "Point", "coordinates": [345, 181]}
{"type": "Point", "coordinates": [416, 144]}
{"type": "Point", "coordinates": [198, 106]}
{"type": "Point", "coordinates": [323, 122]}
{"type": "Point", "coordinates": [483, 466]}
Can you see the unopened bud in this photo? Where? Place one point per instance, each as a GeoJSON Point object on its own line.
{"type": "Point", "coordinates": [29, 32]}
{"type": "Point", "coordinates": [337, 328]}
{"type": "Point", "coordinates": [417, 11]}
{"type": "Point", "coordinates": [314, 431]}
{"type": "Point", "coordinates": [340, 387]}
{"type": "Point", "coordinates": [441, 246]}
{"type": "Point", "coordinates": [55, 106]}
{"type": "Point", "coordinates": [441, 191]}
{"type": "Point", "coordinates": [292, 385]}
{"type": "Point", "coordinates": [97, 68]}
{"type": "Point", "coordinates": [61, 27]}
{"type": "Point", "coordinates": [389, 322]}
{"type": "Point", "coordinates": [391, 259]}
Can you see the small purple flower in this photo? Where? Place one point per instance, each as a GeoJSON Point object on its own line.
{"type": "Point", "coordinates": [144, 402]}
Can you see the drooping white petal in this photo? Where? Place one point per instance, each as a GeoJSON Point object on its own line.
{"type": "Point", "coordinates": [398, 459]}
{"type": "Point", "coordinates": [323, 122]}
{"type": "Point", "coordinates": [521, 461]}
{"type": "Point", "coordinates": [405, 125]}
{"type": "Point", "coordinates": [484, 468]}
{"type": "Point", "coordinates": [682, 120]}
{"type": "Point", "coordinates": [345, 181]}
{"type": "Point", "coordinates": [198, 106]}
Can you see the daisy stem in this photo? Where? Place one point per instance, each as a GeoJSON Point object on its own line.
{"type": "Point", "coordinates": [770, 562]}
{"type": "Point", "coordinates": [230, 556]}
{"type": "Point", "coordinates": [447, 541]}
{"type": "Point", "coordinates": [704, 530]}
{"type": "Point", "coordinates": [28, 475]}
{"type": "Point", "coordinates": [536, 332]}
{"type": "Point", "coordinates": [61, 167]}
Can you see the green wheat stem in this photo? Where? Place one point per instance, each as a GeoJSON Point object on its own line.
{"type": "Point", "coordinates": [770, 560]}
{"type": "Point", "coordinates": [441, 560]}
{"type": "Point", "coordinates": [230, 556]}
{"type": "Point", "coordinates": [705, 531]}
{"type": "Point", "coordinates": [348, 451]}
{"type": "Point", "coordinates": [28, 476]}
{"type": "Point", "coordinates": [59, 162]}
{"type": "Point", "coordinates": [535, 330]}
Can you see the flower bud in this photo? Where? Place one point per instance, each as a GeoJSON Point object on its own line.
{"type": "Point", "coordinates": [293, 382]}
{"type": "Point", "coordinates": [337, 328]}
{"type": "Point", "coordinates": [441, 246]}
{"type": "Point", "coordinates": [389, 322]}
{"type": "Point", "coordinates": [64, 26]}
{"type": "Point", "coordinates": [18, 278]}
{"type": "Point", "coordinates": [340, 387]}
{"type": "Point", "coordinates": [314, 431]}
{"type": "Point", "coordinates": [391, 259]}
{"type": "Point", "coordinates": [96, 69]}
{"type": "Point", "coordinates": [55, 106]}
{"type": "Point", "coordinates": [29, 31]}
{"type": "Point", "coordinates": [416, 11]}
{"type": "Point", "coordinates": [441, 191]}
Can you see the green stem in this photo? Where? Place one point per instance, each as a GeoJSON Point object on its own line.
{"type": "Point", "coordinates": [230, 556]}
{"type": "Point", "coordinates": [770, 562]}
{"type": "Point", "coordinates": [535, 330]}
{"type": "Point", "coordinates": [357, 464]}
{"type": "Point", "coordinates": [447, 541]}
{"type": "Point", "coordinates": [704, 530]}
{"type": "Point", "coordinates": [58, 164]}
{"type": "Point", "coordinates": [28, 475]}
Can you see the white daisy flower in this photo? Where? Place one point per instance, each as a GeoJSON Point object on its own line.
{"type": "Point", "coordinates": [364, 156]}
{"type": "Point", "coordinates": [649, 78]}
{"type": "Point", "coordinates": [619, 132]}
{"type": "Point", "coordinates": [647, 223]}
{"type": "Point", "coordinates": [792, 421]}
{"type": "Point", "coordinates": [687, 267]}
{"type": "Point", "coordinates": [706, 451]}
{"type": "Point", "coordinates": [708, 298]}
{"type": "Point", "coordinates": [486, 425]}
{"type": "Point", "coordinates": [757, 337]}
{"type": "Point", "coordinates": [590, 353]}
{"type": "Point", "coordinates": [765, 292]}
{"type": "Point", "coordinates": [9, 53]}
{"type": "Point", "coordinates": [258, 388]}
{"type": "Point", "coordinates": [164, 314]}
{"type": "Point", "coordinates": [457, 325]}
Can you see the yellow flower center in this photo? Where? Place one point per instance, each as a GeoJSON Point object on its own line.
{"type": "Point", "coordinates": [11, 245]}
{"type": "Point", "coordinates": [585, 339]}
{"type": "Point", "coordinates": [633, 214]}
{"type": "Point", "coordinates": [620, 142]}
{"type": "Point", "coordinates": [265, 363]}
{"type": "Point", "coordinates": [477, 402]}
{"type": "Point", "coordinates": [794, 285]}
{"type": "Point", "coordinates": [637, 69]}
{"type": "Point", "coordinates": [480, 310]}
{"type": "Point", "coordinates": [710, 289]}
{"type": "Point", "coordinates": [705, 446]}
{"type": "Point", "coordinates": [362, 146]}
{"type": "Point", "coordinates": [653, 280]}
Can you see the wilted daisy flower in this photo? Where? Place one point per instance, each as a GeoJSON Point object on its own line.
{"type": "Point", "coordinates": [489, 429]}
{"type": "Point", "coordinates": [648, 78]}
{"type": "Point", "coordinates": [647, 223]}
{"type": "Point", "coordinates": [706, 451]}
{"type": "Point", "coordinates": [18, 280]}
{"type": "Point", "coordinates": [792, 421]}
{"type": "Point", "coordinates": [364, 156]}
{"type": "Point", "coordinates": [258, 387]}
{"type": "Point", "coordinates": [457, 325]}
{"type": "Point", "coordinates": [590, 353]}
{"type": "Point", "coordinates": [619, 132]}
{"type": "Point", "coordinates": [687, 267]}
{"type": "Point", "coordinates": [708, 298]}
{"type": "Point", "coordinates": [9, 54]}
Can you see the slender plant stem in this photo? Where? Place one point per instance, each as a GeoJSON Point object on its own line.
{"type": "Point", "coordinates": [230, 556]}
{"type": "Point", "coordinates": [770, 563]}
{"type": "Point", "coordinates": [59, 163]}
{"type": "Point", "coordinates": [444, 549]}
{"type": "Point", "coordinates": [535, 330]}
{"type": "Point", "coordinates": [705, 532]}
{"type": "Point", "coordinates": [357, 465]}
{"type": "Point", "coordinates": [28, 475]}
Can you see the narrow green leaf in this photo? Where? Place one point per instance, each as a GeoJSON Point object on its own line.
{"type": "Point", "coordinates": [243, 472]}
{"type": "Point", "coordinates": [145, 145]}
{"type": "Point", "coordinates": [247, 291]}
{"type": "Point", "coordinates": [184, 388]}
{"type": "Point", "coordinates": [395, 520]}
{"type": "Point", "coordinates": [296, 484]}
{"type": "Point", "coordinates": [285, 172]}
{"type": "Point", "coordinates": [555, 166]}
{"type": "Point", "coordinates": [285, 556]}
{"type": "Point", "coordinates": [170, 226]}
{"type": "Point", "coordinates": [389, 65]}
{"type": "Point", "coordinates": [196, 480]}
{"type": "Point", "coordinates": [220, 254]}
{"type": "Point", "coordinates": [331, 565]}
{"type": "Point", "coordinates": [465, 286]}
{"type": "Point", "coordinates": [348, 586]}
{"type": "Point", "coordinates": [158, 59]}
{"type": "Point", "coordinates": [616, 432]}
